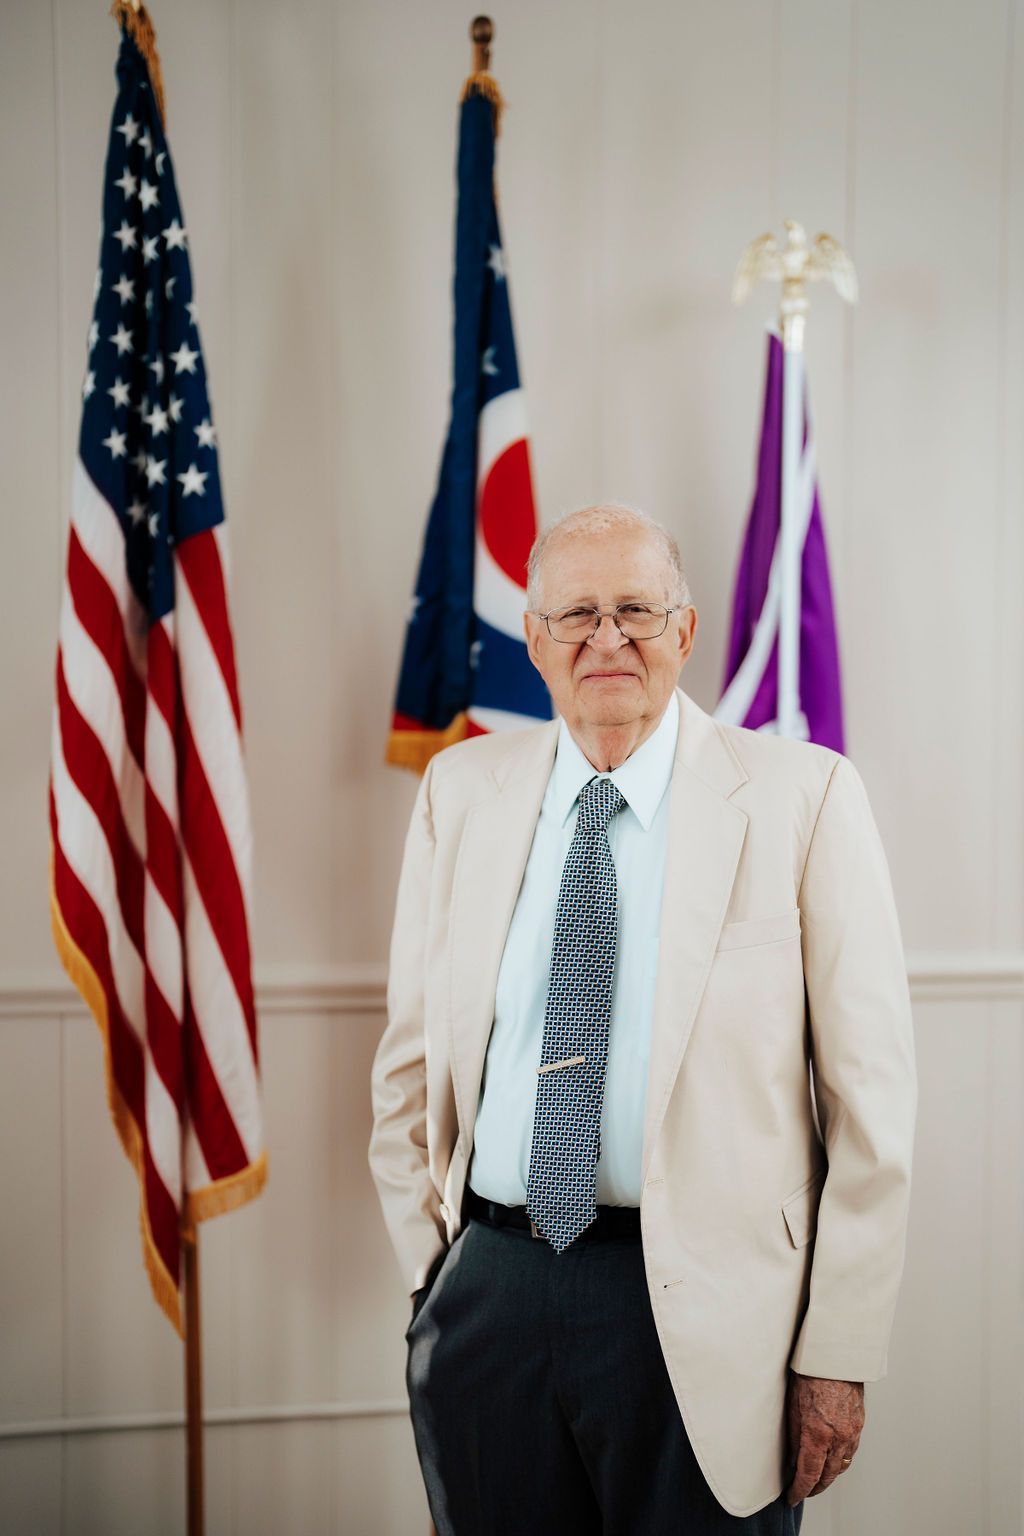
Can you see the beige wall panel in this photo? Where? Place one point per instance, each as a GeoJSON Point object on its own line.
{"type": "Point", "coordinates": [219, 1471]}
{"type": "Point", "coordinates": [31, 1225]}
{"type": "Point", "coordinates": [125, 1484]}
{"type": "Point", "coordinates": [121, 1354]}
{"type": "Point", "coordinates": [378, 1486]}
{"type": "Point", "coordinates": [391, 184]}
{"type": "Point", "coordinates": [929, 125]}
{"type": "Point", "coordinates": [31, 423]}
{"type": "Point", "coordinates": [30, 1487]}
{"type": "Point", "coordinates": [286, 616]}
{"type": "Point", "coordinates": [217, 1296]}
{"type": "Point", "coordinates": [549, 63]}
{"type": "Point", "coordinates": [287, 1302]}
{"type": "Point", "coordinates": [85, 58]}
{"type": "Point", "coordinates": [134, 1484]}
{"type": "Point", "coordinates": [954, 1363]}
{"type": "Point", "coordinates": [285, 1480]}
{"type": "Point", "coordinates": [1002, 1201]}
{"type": "Point", "coordinates": [1007, 890]}
{"type": "Point", "coordinates": [939, 1355]}
{"type": "Point", "coordinates": [811, 180]}
{"type": "Point", "coordinates": [370, 1360]}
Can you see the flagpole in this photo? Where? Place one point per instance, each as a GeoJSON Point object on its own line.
{"type": "Point", "coordinates": [790, 720]}
{"type": "Point", "coordinates": [193, 1383]}
{"type": "Point", "coordinates": [481, 33]}
{"type": "Point", "coordinates": [133, 16]}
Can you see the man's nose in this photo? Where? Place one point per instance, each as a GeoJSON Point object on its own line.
{"type": "Point", "coordinates": [607, 636]}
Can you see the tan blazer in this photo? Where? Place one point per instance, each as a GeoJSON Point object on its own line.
{"type": "Point", "coordinates": [773, 1231]}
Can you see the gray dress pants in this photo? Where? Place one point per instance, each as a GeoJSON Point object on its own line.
{"type": "Point", "coordinates": [540, 1400]}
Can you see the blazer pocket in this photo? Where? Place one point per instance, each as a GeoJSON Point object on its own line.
{"type": "Point", "coordinates": [801, 1208]}
{"type": "Point", "coordinates": [760, 930]}
{"type": "Point", "coordinates": [422, 1296]}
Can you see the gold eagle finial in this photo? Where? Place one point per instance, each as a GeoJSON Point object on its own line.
{"type": "Point", "coordinates": [794, 265]}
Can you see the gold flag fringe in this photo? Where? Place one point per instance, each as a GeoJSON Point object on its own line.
{"type": "Point", "coordinates": [224, 1194]}
{"type": "Point", "coordinates": [139, 25]}
{"type": "Point", "coordinates": [414, 749]}
{"type": "Point", "coordinates": [213, 1199]}
{"type": "Point", "coordinates": [85, 980]}
{"type": "Point", "coordinates": [484, 84]}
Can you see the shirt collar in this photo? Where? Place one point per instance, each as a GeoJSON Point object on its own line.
{"type": "Point", "coordinates": [642, 779]}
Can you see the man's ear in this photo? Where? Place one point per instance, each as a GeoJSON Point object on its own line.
{"type": "Point", "coordinates": [687, 634]}
{"type": "Point", "coordinates": [531, 629]}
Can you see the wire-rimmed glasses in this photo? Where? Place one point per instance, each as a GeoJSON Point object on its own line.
{"type": "Point", "coordinates": [637, 621]}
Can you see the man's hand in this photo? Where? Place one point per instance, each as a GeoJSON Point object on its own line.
{"type": "Point", "coordinates": [825, 1419]}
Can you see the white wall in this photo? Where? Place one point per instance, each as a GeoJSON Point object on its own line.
{"type": "Point", "coordinates": [644, 145]}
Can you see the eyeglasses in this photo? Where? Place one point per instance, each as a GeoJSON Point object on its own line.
{"type": "Point", "coordinates": [637, 621]}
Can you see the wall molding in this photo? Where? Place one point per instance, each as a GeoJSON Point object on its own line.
{"type": "Point", "coordinates": [966, 976]}
{"type": "Point", "coordinates": [360, 988]}
{"type": "Point", "coordinates": [213, 1418]}
{"type": "Point", "coordinates": [285, 989]}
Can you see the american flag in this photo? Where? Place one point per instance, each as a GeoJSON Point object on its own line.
{"type": "Point", "coordinates": [150, 836]}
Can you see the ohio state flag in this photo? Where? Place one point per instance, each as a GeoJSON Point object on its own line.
{"type": "Point", "coordinates": [465, 669]}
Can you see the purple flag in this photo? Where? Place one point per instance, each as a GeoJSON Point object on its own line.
{"type": "Point", "coordinates": [750, 693]}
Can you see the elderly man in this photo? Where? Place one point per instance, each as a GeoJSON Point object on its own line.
{"type": "Point", "coordinates": [644, 1105]}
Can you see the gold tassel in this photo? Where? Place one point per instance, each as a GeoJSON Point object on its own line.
{"type": "Point", "coordinates": [484, 84]}
{"type": "Point", "coordinates": [139, 24]}
{"type": "Point", "coordinates": [414, 749]}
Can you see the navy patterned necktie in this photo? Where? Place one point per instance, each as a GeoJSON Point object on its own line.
{"type": "Point", "coordinates": [562, 1184]}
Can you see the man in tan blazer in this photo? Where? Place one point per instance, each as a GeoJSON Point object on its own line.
{"type": "Point", "coordinates": [721, 935]}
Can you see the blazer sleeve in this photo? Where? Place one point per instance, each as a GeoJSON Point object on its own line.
{"type": "Point", "coordinates": [865, 1085]}
{"type": "Point", "coordinates": [398, 1151]}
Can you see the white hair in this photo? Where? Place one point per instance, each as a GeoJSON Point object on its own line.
{"type": "Point", "coordinates": [605, 517]}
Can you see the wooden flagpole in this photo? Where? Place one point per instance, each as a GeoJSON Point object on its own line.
{"type": "Point", "coordinates": [193, 1384]}
{"type": "Point", "coordinates": [481, 34]}
{"type": "Point", "coordinates": [132, 14]}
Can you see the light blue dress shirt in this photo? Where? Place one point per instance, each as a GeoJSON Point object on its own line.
{"type": "Point", "coordinates": [638, 836]}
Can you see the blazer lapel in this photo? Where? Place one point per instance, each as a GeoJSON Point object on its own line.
{"type": "Point", "coordinates": [706, 835]}
{"type": "Point", "coordinates": [493, 850]}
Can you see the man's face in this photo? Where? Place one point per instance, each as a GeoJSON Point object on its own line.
{"type": "Point", "coordinates": [609, 680]}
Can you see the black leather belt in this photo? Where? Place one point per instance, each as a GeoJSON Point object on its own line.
{"type": "Point", "coordinates": [611, 1220]}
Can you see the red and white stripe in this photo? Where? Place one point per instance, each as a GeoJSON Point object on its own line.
{"type": "Point", "coordinates": [151, 864]}
{"type": "Point", "coordinates": [506, 526]}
